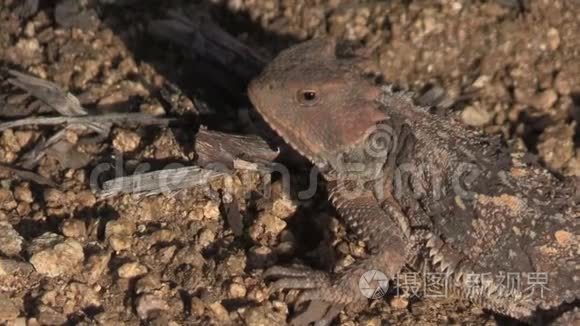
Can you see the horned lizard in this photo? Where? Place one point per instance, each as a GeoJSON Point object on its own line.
{"type": "Point", "coordinates": [406, 180]}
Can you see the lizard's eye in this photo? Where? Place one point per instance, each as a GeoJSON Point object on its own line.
{"type": "Point", "coordinates": [307, 97]}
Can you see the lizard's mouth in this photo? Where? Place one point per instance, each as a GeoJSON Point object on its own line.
{"type": "Point", "coordinates": [289, 136]}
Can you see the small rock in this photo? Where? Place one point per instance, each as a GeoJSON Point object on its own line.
{"type": "Point", "coordinates": [14, 267]}
{"type": "Point", "coordinates": [10, 241]}
{"type": "Point", "coordinates": [163, 235]}
{"type": "Point", "coordinates": [81, 296]}
{"type": "Point", "coordinates": [196, 214]}
{"type": "Point", "coordinates": [21, 321]}
{"type": "Point", "coordinates": [28, 47]}
{"type": "Point", "coordinates": [74, 228]}
{"type": "Point", "coordinates": [7, 201]}
{"type": "Point", "coordinates": [563, 83]}
{"type": "Point", "coordinates": [131, 270]}
{"type": "Point", "coordinates": [154, 109]}
{"type": "Point", "coordinates": [197, 306]}
{"type": "Point", "coordinates": [556, 146]}
{"type": "Point", "coordinates": [235, 263]}
{"type": "Point", "coordinates": [190, 255]}
{"type": "Point", "coordinates": [126, 141]}
{"type": "Point", "coordinates": [54, 197]}
{"type": "Point", "coordinates": [165, 254]}
{"type": "Point", "coordinates": [481, 81]}
{"type": "Point", "coordinates": [237, 290]}
{"type": "Point", "coordinates": [266, 228]}
{"type": "Point", "coordinates": [219, 311]}
{"type": "Point", "coordinates": [22, 193]}
{"type": "Point", "coordinates": [120, 234]}
{"type": "Point", "coordinates": [150, 305]}
{"type": "Point", "coordinates": [544, 100]}
{"type": "Point", "coordinates": [564, 238]}
{"type": "Point", "coordinates": [148, 284]}
{"type": "Point", "coordinates": [211, 210]}
{"type": "Point", "coordinates": [476, 116]}
{"type": "Point", "coordinates": [96, 266]}
{"type": "Point", "coordinates": [258, 294]}
{"type": "Point", "coordinates": [283, 208]}
{"type": "Point", "coordinates": [399, 303]}
{"type": "Point", "coordinates": [553, 39]}
{"type": "Point", "coordinates": [263, 315]}
{"type": "Point", "coordinates": [205, 237]}
{"type": "Point", "coordinates": [58, 258]}
{"type": "Point", "coordinates": [23, 209]}
{"type": "Point", "coordinates": [86, 198]}
{"type": "Point", "coordinates": [49, 316]}
{"type": "Point", "coordinates": [9, 311]}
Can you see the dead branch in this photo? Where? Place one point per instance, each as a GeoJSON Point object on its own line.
{"type": "Point", "coordinates": [214, 147]}
{"type": "Point", "coordinates": [156, 182]}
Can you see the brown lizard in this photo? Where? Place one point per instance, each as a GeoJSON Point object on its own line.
{"type": "Point", "coordinates": [405, 179]}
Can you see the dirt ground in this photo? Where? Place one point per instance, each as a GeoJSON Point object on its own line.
{"type": "Point", "coordinates": [68, 256]}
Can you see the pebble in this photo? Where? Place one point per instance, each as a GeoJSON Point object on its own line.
{"type": "Point", "coordinates": [96, 266]}
{"type": "Point", "coordinates": [197, 306]}
{"type": "Point", "coordinates": [9, 311]}
{"type": "Point", "coordinates": [237, 290]}
{"type": "Point", "coordinates": [49, 316]}
{"type": "Point", "coordinates": [266, 228]}
{"type": "Point", "coordinates": [399, 303]}
{"type": "Point", "coordinates": [564, 238]}
{"type": "Point", "coordinates": [150, 305]}
{"type": "Point", "coordinates": [235, 263]}
{"type": "Point", "coordinates": [283, 208]}
{"type": "Point", "coordinates": [23, 209]}
{"type": "Point", "coordinates": [148, 284]}
{"type": "Point", "coordinates": [131, 270]}
{"type": "Point", "coordinates": [81, 296]}
{"type": "Point", "coordinates": [211, 210]}
{"type": "Point", "coordinates": [10, 240]}
{"type": "Point", "coordinates": [553, 39]}
{"type": "Point", "coordinates": [126, 141]}
{"type": "Point", "coordinates": [556, 146]}
{"type": "Point", "coordinates": [219, 311]}
{"type": "Point", "coordinates": [86, 198]}
{"type": "Point", "coordinates": [14, 267]}
{"type": "Point", "coordinates": [154, 109]}
{"type": "Point", "coordinates": [120, 234]}
{"type": "Point", "coordinates": [74, 228]}
{"type": "Point", "coordinates": [205, 237]}
{"type": "Point", "coordinates": [544, 100]}
{"type": "Point", "coordinates": [58, 257]}
{"type": "Point", "coordinates": [258, 294]}
{"type": "Point", "coordinates": [476, 116]}
{"type": "Point", "coordinates": [23, 193]}
{"type": "Point", "coordinates": [163, 235]}
{"type": "Point", "coordinates": [7, 201]}
{"type": "Point", "coordinates": [54, 197]}
{"type": "Point", "coordinates": [263, 315]}
{"type": "Point", "coordinates": [562, 83]}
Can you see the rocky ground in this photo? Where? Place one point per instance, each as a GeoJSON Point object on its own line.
{"type": "Point", "coordinates": [69, 256]}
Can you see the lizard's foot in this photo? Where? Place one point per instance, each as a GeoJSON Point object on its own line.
{"type": "Point", "coordinates": [337, 290]}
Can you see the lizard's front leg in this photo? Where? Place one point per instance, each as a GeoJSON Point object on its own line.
{"type": "Point", "coordinates": [363, 214]}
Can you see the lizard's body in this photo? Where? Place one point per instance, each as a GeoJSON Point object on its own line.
{"type": "Point", "coordinates": [403, 178]}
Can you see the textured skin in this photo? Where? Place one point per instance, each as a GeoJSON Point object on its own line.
{"type": "Point", "coordinates": [403, 178]}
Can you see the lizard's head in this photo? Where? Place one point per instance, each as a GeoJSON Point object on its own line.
{"type": "Point", "coordinates": [320, 104]}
